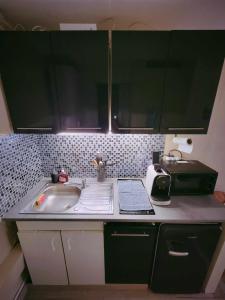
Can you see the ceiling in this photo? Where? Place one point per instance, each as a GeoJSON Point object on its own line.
{"type": "Point", "coordinates": [117, 14]}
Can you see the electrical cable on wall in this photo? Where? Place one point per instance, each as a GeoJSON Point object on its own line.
{"type": "Point", "coordinates": [171, 156]}
{"type": "Point", "coordinates": [19, 27]}
{"type": "Point", "coordinates": [107, 23]}
{"type": "Point", "coordinates": [38, 28]}
{"type": "Point", "coordinates": [6, 26]}
{"type": "Point", "coordinates": [138, 25]}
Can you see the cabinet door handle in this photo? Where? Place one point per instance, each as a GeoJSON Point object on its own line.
{"type": "Point", "coordinates": [175, 253]}
{"type": "Point", "coordinates": [69, 244]}
{"type": "Point", "coordinates": [186, 128]}
{"type": "Point", "coordinates": [136, 128]}
{"type": "Point", "coordinates": [34, 128]}
{"type": "Point", "coordinates": [53, 244]}
{"type": "Point", "coordinates": [131, 234]}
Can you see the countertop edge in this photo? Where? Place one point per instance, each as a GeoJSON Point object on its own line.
{"type": "Point", "coordinates": [183, 209]}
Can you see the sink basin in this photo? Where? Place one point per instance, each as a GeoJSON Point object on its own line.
{"type": "Point", "coordinates": [58, 198]}
{"type": "Point", "coordinates": [95, 198]}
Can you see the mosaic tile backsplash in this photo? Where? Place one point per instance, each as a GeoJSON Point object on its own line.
{"type": "Point", "coordinates": [131, 153]}
{"type": "Point", "coordinates": [25, 159]}
{"type": "Point", "coordinates": [20, 168]}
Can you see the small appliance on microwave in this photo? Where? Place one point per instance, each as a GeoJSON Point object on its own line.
{"type": "Point", "coordinates": [190, 177]}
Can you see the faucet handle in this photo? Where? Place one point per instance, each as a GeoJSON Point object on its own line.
{"type": "Point", "coordinates": [98, 157]}
{"type": "Point", "coordinates": [94, 162]}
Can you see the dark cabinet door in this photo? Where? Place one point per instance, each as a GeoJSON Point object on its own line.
{"type": "Point", "coordinates": [183, 256]}
{"type": "Point", "coordinates": [26, 76]}
{"type": "Point", "coordinates": [193, 70]}
{"type": "Point", "coordinates": [129, 251]}
{"type": "Point", "coordinates": [81, 78]}
{"type": "Point", "coordinates": [138, 73]}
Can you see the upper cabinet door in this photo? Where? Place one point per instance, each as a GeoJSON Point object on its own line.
{"type": "Point", "coordinates": [26, 72]}
{"type": "Point", "coordinates": [193, 71]}
{"type": "Point", "coordinates": [138, 73]}
{"type": "Point", "coordinates": [81, 78]}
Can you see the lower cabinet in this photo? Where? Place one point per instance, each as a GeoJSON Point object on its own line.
{"type": "Point", "coordinates": [84, 254]}
{"type": "Point", "coordinates": [44, 256]}
{"type": "Point", "coordinates": [129, 252]}
{"type": "Point", "coordinates": [171, 258]}
{"type": "Point", "coordinates": [64, 256]}
{"type": "Point", "coordinates": [183, 256]}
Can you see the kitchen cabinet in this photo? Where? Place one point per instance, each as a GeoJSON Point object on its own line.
{"type": "Point", "coordinates": [61, 253]}
{"type": "Point", "coordinates": [44, 256]}
{"type": "Point", "coordinates": [84, 254]}
{"type": "Point", "coordinates": [138, 74]}
{"type": "Point", "coordinates": [165, 81]}
{"type": "Point", "coordinates": [129, 252]}
{"type": "Point", "coordinates": [25, 67]}
{"type": "Point", "coordinates": [162, 81]}
{"type": "Point", "coordinates": [194, 64]}
{"type": "Point", "coordinates": [182, 258]}
{"type": "Point", "coordinates": [81, 78]}
{"type": "Point", "coordinates": [133, 252]}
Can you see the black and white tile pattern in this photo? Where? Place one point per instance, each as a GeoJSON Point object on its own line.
{"type": "Point", "coordinates": [21, 168]}
{"type": "Point", "coordinates": [25, 159]}
{"type": "Point", "coordinates": [131, 153]}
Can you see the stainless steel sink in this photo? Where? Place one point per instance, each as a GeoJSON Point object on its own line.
{"type": "Point", "coordinates": [95, 198]}
{"type": "Point", "coordinates": [58, 198]}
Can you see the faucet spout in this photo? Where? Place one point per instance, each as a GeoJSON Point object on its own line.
{"type": "Point", "coordinates": [101, 171]}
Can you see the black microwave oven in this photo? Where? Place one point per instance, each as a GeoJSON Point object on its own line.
{"type": "Point", "coordinates": [190, 177]}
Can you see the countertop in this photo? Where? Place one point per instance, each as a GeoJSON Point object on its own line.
{"type": "Point", "coordinates": [183, 209]}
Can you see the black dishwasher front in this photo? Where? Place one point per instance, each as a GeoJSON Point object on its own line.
{"type": "Point", "coordinates": [183, 255]}
{"type": "Point", "coordinates": [129, 252]}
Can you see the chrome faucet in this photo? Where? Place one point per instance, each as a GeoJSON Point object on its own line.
{"type": "Point", "coordinates": [101, 165]}
{"type": "Point", "coordinates": [81, 185]}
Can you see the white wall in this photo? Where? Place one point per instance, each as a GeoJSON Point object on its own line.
{"type": "Point", "coordinates": [152, 14]}
{"type": "Point", "coordinates": [5, 125]}
{"type": "Point", "coordinates": [11, 261]}
{"type": "Point", "coordinates": [210, 148]}
{"type": "Point", "coordinates": [8, 239]}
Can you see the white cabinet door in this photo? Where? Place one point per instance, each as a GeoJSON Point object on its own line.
{"type": "Point", "coordinates": [84, 252]}
{"type": "Point", "coordinates": [44, 256]}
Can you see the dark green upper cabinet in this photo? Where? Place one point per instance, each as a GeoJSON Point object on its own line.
{"type": "Point", "coordinates": [193, 70]}
{"type": "Point", "coordinates": [81, 79]}
{"type": "Point", "coordinates": [26, 76]}
{"type": "Point", "coordinates": [138, 73]}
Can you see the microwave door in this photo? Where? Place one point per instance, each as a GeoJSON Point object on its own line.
{"type": "Point", "coordinates": [188, 184]}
